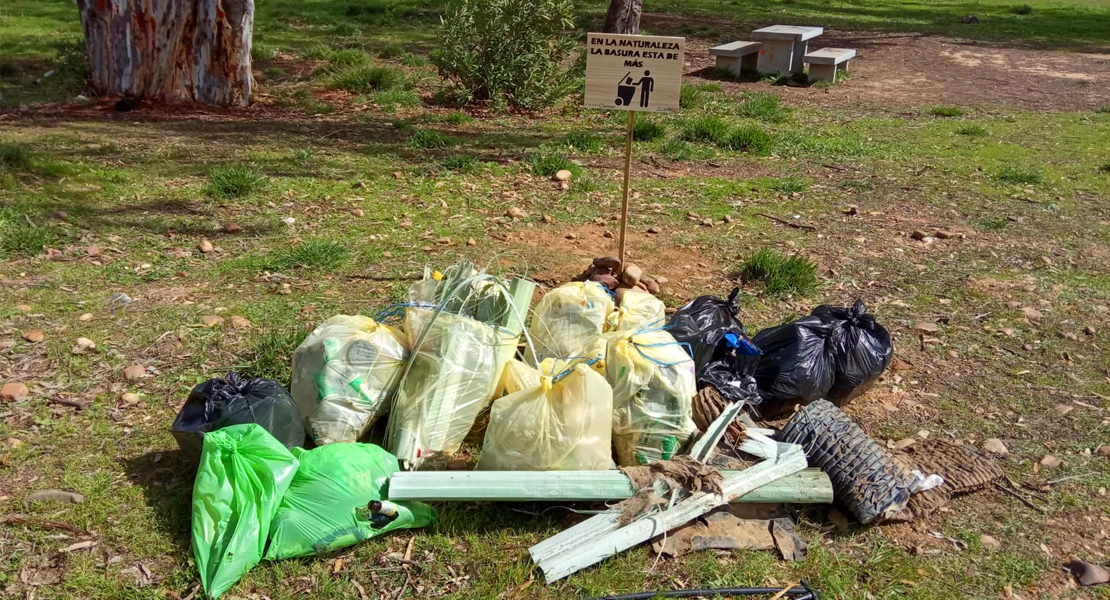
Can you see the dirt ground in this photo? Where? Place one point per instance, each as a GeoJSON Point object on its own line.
{"type": "Point", "coordinates": [893, 70]}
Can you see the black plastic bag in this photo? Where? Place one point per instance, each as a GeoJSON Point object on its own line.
{"type": "Point", "coordinates": [217, 403]}
{"type": "Point", "coordinates": [724, 356]}
{"type": "Point", "coordinates": [835, 353]}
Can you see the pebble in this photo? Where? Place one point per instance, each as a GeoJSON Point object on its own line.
{"type": "Point", "coordinates": [654, 229]}
{"type": "Point", "coordinates": [13, 443]}
{"type": "Point", "coordinates": [608, 262]}
{"type": "Point", "coordinates": [205, 246]}
{"type": "Point", "coordinates": [563, 175]}
{"type": "Point", "coordinates": [1103, 450]}
{"type": "Point", "coordinates": [608, 234]}
{"type": "Point", "coordinates": [727, 218]}
{"type": "Point", "coordinates": [926, 326]}
{"type": "Point", "coordinates": [707, 222]}
{"type": "Point", "coordinates": [233, 227]}
{"type": "Point", "coordinates": [14, 390]}
{"type": "Point", "coordinates": [83, 345]}
{"type": "Point", "coordinates": [23, 308]}
{"type": "Point", "coordinates": [631, 275]}
{"type": "Point", "coordinates": [212, 320]}
{"type": "Point", "coordinates": [919, 235]}
{"type": "Point", "coordinates": [1051, 462]}
{"type": "Point", "coordinates": [444, 241]}
{"type": "Point", "coordinates": [93, 250]}
{"type": "Point", "coordinates": [989, 542]}
{"type": "Point", "coordinates": [471, 242]}
{"type": "Point", "coordinates": [61, 215]}
{"type": "Point", "coordinates": [1031, 313]}
{"type": "Point", "coordinates": [995, 446]}
{"type": "Point", "coordinates": [134, 372]}
{"type": "Point", "coordinates": [130, 399]}
{"type": "Point", "coordinates": [238, 322]}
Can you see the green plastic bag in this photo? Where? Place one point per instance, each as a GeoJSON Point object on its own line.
{"type": "Point", "coordinates": [244, 471]}
{"type": "Point", "coordinates": [325, 507]}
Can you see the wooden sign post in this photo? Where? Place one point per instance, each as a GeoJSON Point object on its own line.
{"type": "Point", "coordinates": [633, 73]}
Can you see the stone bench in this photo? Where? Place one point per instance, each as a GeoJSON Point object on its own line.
{"type": "Point", "coordinates": [736, 57]}
{"type": "Point", "coordinates": [823, 63]}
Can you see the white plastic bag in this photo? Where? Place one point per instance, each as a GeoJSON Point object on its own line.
{"type": "Point", "coordinates": [515, 377]}
{"type": "Point", "coordinates": [638, 310]}
{"type": "Point", "coordinates": [565, 423]}
{"type": "Point", "coordinates": [344, 374]}
{"type": "Point", "coordinates": [567, 319]}
{"type": "Point", "coordinates": [653, 390]}
{"type": "Point", "coordinates": [456, 366]}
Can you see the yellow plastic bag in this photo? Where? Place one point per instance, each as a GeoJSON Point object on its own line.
{"type": "Point", "coordinates": [653, 390]}
{"type": "Point", "coordinates": [638, 310]}
{"type": "Point", "coordinates": [564, 424]}
{"type": "Point", "coordinates": [516, 376]}
{"type": "Point", "coordinates": [455, 369]}
{"type": "Point", "coordinates": [567, 319]}
{"type": "Point", "coordinates": [344, 374]}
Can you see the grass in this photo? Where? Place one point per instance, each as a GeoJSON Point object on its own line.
{"type": "Point", "coordinates": [585, 142]}
{"type": "Point", "coordinates": [709, 129]}
{"type": "Point", "coordinates": [271, 354]}
{"type": "Point", "coordinates": [425, 139]}
{"type": "Point", "coordinates": [235, 181]}
{"type": "Point", "coordinates": [1024, 9]}
{"type": "Point", "coordinates": [648, 131]}
{"type": "Point", "coordinates": [260, 51]}
{"type": "Point", "coordinates": [19, 238]}
{"type": "Point", "coordinates": [690, 97]}
{"type": "Point", "coordinates": [547, 164]}
{"type": "Point", "coordinates": [319, 254]}
{"type": "Point", "coordinates": [749, 138]}
{"type": "Point", "coordinates": [390, 99]}
{"type": "Point", "coordinates": [677, 150]}
{"type": "Point", "coordinates": [789, 185]}
{"type": "Point", "coordinates": [780, 275]}
{"type": "Point", "coordinates": [462, 163]}
{"type": "Point", "coordinates": [764, 107]}
{"type": "Point", "coordinates": [14, 157]}
{"type": "Point", "coordinates": [365, 77]}
{"type": "Point", "coordinates": [1103, 110]}
{"type": "Point", "coordinates": [1104, 168]}
{"type": "Point", "coordinates": [304, 99]}
{"type": "Point", "coordinates": [1018, 175]}
{"type": "Point", "coordinates": [946, 111]}
{"type": "Point", "coordinates": [972, 130]}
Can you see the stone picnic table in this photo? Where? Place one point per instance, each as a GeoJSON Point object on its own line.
{"type": "Point", "coordinates": [783, 47]}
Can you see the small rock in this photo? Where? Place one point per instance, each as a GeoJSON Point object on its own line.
{"type": "Point", "coordinates": [13, 443]}
{"type": "Point", "coordinates": [1051, 462]}
{"type": "Point", "coordinates": [361, 185]}
{"type": "Point", "coordinates": [904, 443]}
{"type": "Point", "coordinates": [661, 280]}
{"type": "Point", "coordinates": [1086, 573]}
{"type": "Point", "coordinates": [289, 220]}
{"type": "Point", "coordinates": [471, 242]}
{"type": "Point", "coordinates": [1063, 409]}
{"type": "Point", "coordinates": [989, 542]}
{"type": "Point", "coordinates": [995, 446]}
{"type": "Point", "coordinates": [387, 254]}
{"type": "Point", "coordinates": [1031, 313]}
{"type": "Point", "coordinates": [14, 390]}
{"type": "Point", "coordinates": [548, 219]}
{"type": "Point", "coordinates": [1103, 450]}
{"type": "Point", "coordinates": [85, 317]}
{"type": "Point", "coordinates": [927, 327]}
{"type": "Point", "coordinates": [571, 236]}
{"type": "Point", "coordinates": [26, 308]}
{"type": "Point", "coordinates": [1014, 304]}
{"type": "Point", "coordinates": [233, 227]}
{"type": "Point", "coordinates": [517, 212]}
{"type": "Point", "coordinates": [212, 320]}
{"type": "Point", "coordinates": [34, 336]}
{"type": "Point", "coordinates": [944, 234]}
{"type": "Point", "coordinates": [238, 322]}
{"type": "Point", "coordinates": [608, 234]}
{"type": "Point", "coordinates": [654, 229]}
{"type": "Point", "coordinates": [61, 215]}
{"type": "Point", "coordinates": [651, 285]}
{"type": "Point", "coordinates": [707, 222]}
{"type": "Point", "coordinates": [727, 218]}
{"type": "Point", "coordinates": [83, 345]}
{"type": "Point", "coordinates": [1088, 330]}
{"type": "Point", "coordinates": [205, 246]}
{"type": "Point", "coordinates": [608, 262]}
{"type": "Point", "coordinates": [444, 241]}
{"type": "Point", "coordinates": [970, 19]}
{"type": "Point", "coordinates": [564, 185]}
{"type": "Point", "coordinates": [130, 399]}
{"type": "Point", "coordinates": [397, 175]}
{"type": "Point", "coordinates": [919, 235]}
{"type": "Point", "coordinates": [119, 298]}
{"type": "Point", "coordinates": [54, 496]}
{"type": "Point", "coordinates": [405, 224]}
{"type": "Point", "coordinates": [134, 372]}
{"type": "Point", "coordinates": [953, 354]}
{"type": "Point", "coordinates": [358, 212]}
{"type": "Point", "coordinates": [852, 210]}
{"type": "Point", "coordinates": [563, 175]}
{"type": "Point", "coordinates": [631, 275]}
{"type": "Point", "coordinates": [606, 280]}
{"type": "Point", "coordinates": [93, 250]}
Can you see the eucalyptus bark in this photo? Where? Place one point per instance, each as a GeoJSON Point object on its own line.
{"type": "Point", "coordinates": [170, 50]}
{"type": "Point", "coordinates": [623, 16]}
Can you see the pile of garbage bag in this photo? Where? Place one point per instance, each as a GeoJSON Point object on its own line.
{"type": "Point", "coordinates": [724, 356]}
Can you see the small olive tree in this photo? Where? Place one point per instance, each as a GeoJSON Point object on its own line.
{"type": "Point", "coordinates": [519, 53]}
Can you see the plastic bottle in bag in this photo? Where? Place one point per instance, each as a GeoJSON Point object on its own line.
{"type": "Point", "coordinates": [568, 318]}
{"type": "Point", "coordinates": [653, 389]}
{"type": "Point", "coordinates": [344, 374]}
{"type": "Point", "coordinates": [564, 423]}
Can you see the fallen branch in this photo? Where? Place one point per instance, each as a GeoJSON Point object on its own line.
{"type": "Point", "coordinates": [1069, 478]}
{"type": "Point", "coordinates": [73, 403]}
{"type": "Point", "coordinates": [1023, 499]}
{"type": "Point", "coordinates": [787, 223]}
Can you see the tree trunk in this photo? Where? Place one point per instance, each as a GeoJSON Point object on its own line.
{"type": "Point", "coordinates": [170, 50]}
{"type": "Point", "coordinates": [623, 16]}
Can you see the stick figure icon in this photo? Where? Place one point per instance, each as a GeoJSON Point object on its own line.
{"type": "Point", "coordinates": [647, 85]}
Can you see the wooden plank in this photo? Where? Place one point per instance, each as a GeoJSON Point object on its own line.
{"type": "Point", "coordinates": [602, 536]}
{"type": "Point", "coordinates": [703, 448]}
{"type": "Point", "coordinates": [809, 486]}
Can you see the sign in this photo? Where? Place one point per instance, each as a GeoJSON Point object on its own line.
{"type": "Point", "coordinates": [633, 72]}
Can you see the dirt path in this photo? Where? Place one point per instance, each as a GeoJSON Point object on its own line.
{"type": "Point", "coordinates": [912, 69]}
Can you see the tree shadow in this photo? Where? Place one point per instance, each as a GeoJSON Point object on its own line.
{"type": "Point", "coordinates": [166, 479]}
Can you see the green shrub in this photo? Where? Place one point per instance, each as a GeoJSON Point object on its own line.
{"type": "Point", "coordinates": [763, 106]}
{"type": "Point", "coordinates": [1024, 9]}
{"type": "Point", "coordinates": [413, 60]}
{"type": "Point", "coordinates": [788, 185]}
{"type": "Point", "coordinates": [346, 29]}
{"type": "Point", "coordinates": [585, 142]}
{"type": "Point", "coordinates": [546, 164]}
{"type": "Point", "coordinates": [319, 254]}
{"type": "Point", "coordinates": [20, 239]}
{"type": "Point", "coordinates": [750, 138]}
{"type": "Point", "coordinates": [392, 50]}
{"type": "Point", "coordinates": [390, 99]}
{"type": "Point", "coordinates": [690, 97]}
{"type": "Point", "coordinates": [14, 157]}
{"type": "Point", "coordinates": [707, 129]}
{"type": "Point", "coordinates": [366, 78]}
{"type": "Point", "coordinates": [510, 52]}
{"type": "Point", "coordinates": [423, 139]}
{"type": "Point", "coordinates": [780, 275]}
{"type": "Point", "coordinates": [972, 130]}
{"type": "Point", "coordinates": [946, 111]}
{"type": "Point", "coordinates": [1018, 175]}
{"type": "Point", "coordinates": [457, 118]}
{"type": "Point", "coordinates": [260, 51]}
{"type": "Point", "coordinates": [646, 131]}
{"type": "Point", "coordinates": [677, 150]}
{"type": "Point", "coordinates": [234, 181]}
{"type": "Point", "coordinates": [463, 163]}
{"type": "Point", "coordinates": [346, 57]}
